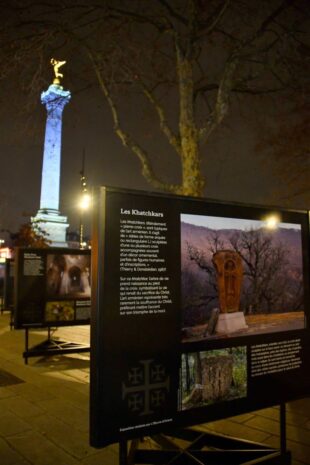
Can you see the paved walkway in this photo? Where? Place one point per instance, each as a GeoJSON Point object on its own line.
{"type": "Point", "coordinates": [44, 411]}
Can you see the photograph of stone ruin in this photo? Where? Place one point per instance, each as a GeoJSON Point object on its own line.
{"type": "Point", "coordinates": [240, 277]}
{"type": "Point", "coordinates": [212, 377]}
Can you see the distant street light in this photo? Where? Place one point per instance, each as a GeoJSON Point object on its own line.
{"type": "Point", "coordinates": [85, 201]}
{"type": "Point", "coordinates": [84, 204]}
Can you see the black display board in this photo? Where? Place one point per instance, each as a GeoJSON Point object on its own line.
{"type": "Point", "coordinates": [52, 287]}
{"type": "Point", "coordinates": [163, 354]}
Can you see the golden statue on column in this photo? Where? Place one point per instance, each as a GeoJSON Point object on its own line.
{"type": "Point", "coordinates": [56, 65]}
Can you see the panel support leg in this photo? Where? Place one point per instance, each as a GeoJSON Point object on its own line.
{"type": "Point", "coordinates": [26, 344]}
{"type": "Point", "coordinates": [123, 453]}
{"type": "Point", "coordinates": [283, 428]}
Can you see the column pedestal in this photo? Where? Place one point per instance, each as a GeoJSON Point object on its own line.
{"type": "Point", "coordinates": [53, 225]}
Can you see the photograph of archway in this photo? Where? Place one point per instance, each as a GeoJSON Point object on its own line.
{"type": "Point", "coordinates": [68, 275]}
{"type": "Point", "coordinates": [213, 376]}
{"type": "Point", "coordinates": [240, 277]}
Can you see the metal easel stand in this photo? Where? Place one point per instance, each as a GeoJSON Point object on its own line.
{"type": "Point", "coordinates": [207, 449]}
{"type": "Point", "coordinates": [51, 347]}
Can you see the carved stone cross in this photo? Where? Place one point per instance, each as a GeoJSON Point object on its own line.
{"type": "Point", "coordinates": [228, 265]}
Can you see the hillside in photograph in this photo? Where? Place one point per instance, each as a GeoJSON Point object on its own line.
{"type": "Point", "coordinates": [272, 293]}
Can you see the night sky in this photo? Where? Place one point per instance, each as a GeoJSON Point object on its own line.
{"type": "Point", "coordinates": [233, 168]}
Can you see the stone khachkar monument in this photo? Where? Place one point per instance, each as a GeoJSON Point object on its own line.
{"type": "Point", "coordinates": [48, 217]}
{"type": "Point", "coordinates": [228, 265]}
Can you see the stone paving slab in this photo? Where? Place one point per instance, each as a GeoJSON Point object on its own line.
{"type": "Point", "coordinates": [39, 450]}
{"type": "Point", "coordinates": [44, 420]}
{"type": "Point", "coordinates": [300, 452]}
{"type": "Point", "coordinates": [11, 424]}
{"type": "Point", "coordinates": [300, 435]}
{"type": "Point", "coordinates": [21, 407]}
{"type": "Point", "coordinates": [292, 416]}
{"type": "Point", "coordinates": [67, 412]}
{"type": "Point", "coordinates": [9, 456]}
{"type": "Point", "coordinates": [71, 439]}
{"type": "Point", "coordinates": [230, 428]}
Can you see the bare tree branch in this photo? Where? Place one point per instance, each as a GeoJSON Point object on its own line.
{"type": "Point", "coordinates": [174, 14]}
{"type": "Point", "coordinates": [146, 167]}
{"type": "Point", "coordinates": [222, 100]}
{"type": "Point", "coordinates": [172, 138]}
{"type": "Point", "coordinates": [206, 27]}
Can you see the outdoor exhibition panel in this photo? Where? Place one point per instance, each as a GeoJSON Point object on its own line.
{"type": "Point", "coordinates": [52, 287]}
{"type": "Point", "coordinates": [199, 311]}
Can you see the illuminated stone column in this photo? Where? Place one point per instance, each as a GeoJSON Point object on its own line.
{"type": "Point", "coordinates": [49, 217]}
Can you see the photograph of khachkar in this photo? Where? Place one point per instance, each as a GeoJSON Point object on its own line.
{"type": "Point", "coordinates": [212, 377]}
{"type": "Point", "coordinates": [240, 277]}
{"type": "Point", "coordinates": [68, 275]}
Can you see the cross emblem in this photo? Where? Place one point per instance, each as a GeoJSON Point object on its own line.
{"type": "Point", "coordinates": [147, 387]}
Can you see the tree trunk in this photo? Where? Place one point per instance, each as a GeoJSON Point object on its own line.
{"type": "Point", "coordinates": [188, 376]}
{"type": "Point", "coordinates": [217, 375]}
{"type": "Point", "coordinates": [197, 368]}
{"type": "Point", "coordinates": [193, 182]}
